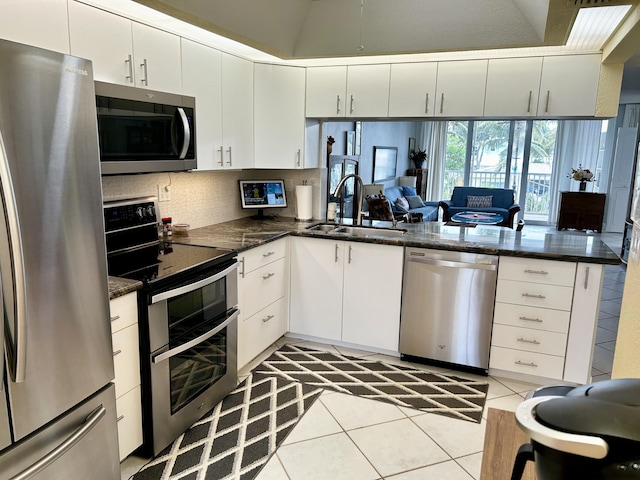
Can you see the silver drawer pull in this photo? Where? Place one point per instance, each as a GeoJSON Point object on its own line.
{"type": "Point", "coordinates": [524, 340]}
{"type": "Point", "coordinates": [537, 272]}
{"type": "Point", "coordinates": [268, 275]}
{"type": "Point", "coordinates": [527, 319]}
{"type": "Point", "coordinates": [526, 364]}
{"type": "Point", "coordinates": [267, 318]}
{"type": "Point", "coordinates": [533, 296]}
{"type": "Point", "coordinates": [268, 254]}
{"type": "Point", "coordinates": [113, 319]}
{"type": "Point", "coordinates": [121, 417]}
{"type": "Point", "coordinates": [117, 352]}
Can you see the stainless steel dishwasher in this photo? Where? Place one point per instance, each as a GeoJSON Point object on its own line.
{"type": "Point", "coordinates": [447, 307]}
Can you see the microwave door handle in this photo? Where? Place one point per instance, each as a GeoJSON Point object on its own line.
{"type": "Point", "coordinates": [186, 346]}
{"type": "Point", "coordinates": [16, 351]}
{"type": "Point", "coordinates": [190, 287]}
{"type": "Point", "coordinates": [186, 132]}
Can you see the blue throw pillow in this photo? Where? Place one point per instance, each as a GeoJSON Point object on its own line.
{"type": "Point", "coordinates": [409, 191]}
{"type": "Point", "coordinates": [415, 201]}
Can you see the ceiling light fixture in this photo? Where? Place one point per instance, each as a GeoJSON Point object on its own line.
{"type": "Point", "coordinates": [361, 46]}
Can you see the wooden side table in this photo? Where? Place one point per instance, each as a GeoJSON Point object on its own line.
{"type": "Point", "coordinates": [581, 210]}
{"type": "Point", "coordinates": [421, 180]}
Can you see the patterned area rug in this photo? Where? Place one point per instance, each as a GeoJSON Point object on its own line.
{"type": "Point", "coordinates": [237, 438]}
{"type": "Point", "coordinates": [407, 387]}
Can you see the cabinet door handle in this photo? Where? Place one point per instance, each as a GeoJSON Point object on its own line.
{"type": "Point", "coordinates": [529, 102]}
{"type": "Point", "coordinates": [113, 319]}
{"type": "Point", "coordinates": [546, 107]}
{"type": "Point", "coordinates": [229, 152]}
{"type": "Point", "coordinates": [268, 254]}
{"type": "Point", "coordinates": [129, 63]}
{"type": "Point", "coordinates": [527, 319]}
{"type": "Point", "coordinates": [221, 162]}
{"type": "Point", "coordinates": [117, 352]}
{"type": "Point", "coordinates": [338, 103]}
{"type": "Point", "coordinates": [241, 262]}
{"type": "Point", "coordinates": [267, 318]}
{"type": "Point", "coordinates": [298, 156]}
{"type": "Point", "coordinates": [529, 295]}
{"type": "Point", "coordinates": [121, 417]}
{"type": "Point", "coordinates": [442, 103]}
{"type": "Point", "coordinates": [351, 105]}
{"type": "Point", "coordinates": [537, 272]}
{"type": "Point", "coordinates": [526, 364]}
{"type": "Point", "coordinates": [267, 276]}
{"type": "Point", "coordinates": [426, 104]}
{"type": "Point", "coordinates": [349, 253]}
{"type": "Point", "coordinates": [586, 278]}
{"type": "Point", "coordinates": [524, 340]}
{"type": "Point", "coordinates": [336, 257]}
{"type": "Point", "coordinates": [145, 79]}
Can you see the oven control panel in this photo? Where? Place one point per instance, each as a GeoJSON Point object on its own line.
{"type": "Point", "coordinates": [127, 214]}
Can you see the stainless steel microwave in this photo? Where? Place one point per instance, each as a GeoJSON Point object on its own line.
{"type": "Point", "coordinates": [142, 131]}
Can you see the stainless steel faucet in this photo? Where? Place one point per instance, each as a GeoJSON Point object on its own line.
{"type": "Point", "coordinates": [337, 194]}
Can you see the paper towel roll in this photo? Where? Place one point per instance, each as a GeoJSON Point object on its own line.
{"type": "Point", "coordinates": [304, 203]}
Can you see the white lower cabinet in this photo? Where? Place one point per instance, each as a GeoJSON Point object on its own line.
{"type": "Point", "coordinates": [263, 283]}
{"type": "Point", "coordinates": [346, 291]}
{"type": "Point", "coordinates": [126, 360]}
{"type": "Point", "coordinates": [544, 319]}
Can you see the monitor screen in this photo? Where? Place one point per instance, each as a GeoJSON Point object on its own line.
{"type": "Point", "coordinates": [260, 194]}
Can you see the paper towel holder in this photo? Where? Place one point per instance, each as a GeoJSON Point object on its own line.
{"type": "Point", "coordinates": [304, 202]}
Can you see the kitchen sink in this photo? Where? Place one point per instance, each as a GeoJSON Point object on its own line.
{"type": "Point", "coordinates": [323, 227]}
{"type": "Point", "coordinates": [371, 231]}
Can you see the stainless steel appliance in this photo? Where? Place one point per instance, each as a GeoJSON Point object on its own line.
{"type": "Point", "coordinates": [188, 319]}
{"type": "Point", "coordinates": [142, 130]}
{"type": "Point", "coordinates": [57, 402]}
{"type": "Point", "coordinates": [447, 306]}
{"type": "Point", "coordinates": [587, 432]}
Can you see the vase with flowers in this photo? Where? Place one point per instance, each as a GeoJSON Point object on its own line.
{"type": "Point", "coordinates": [418, 157]}
{"type": "Point", "coordinates": [582, 175]}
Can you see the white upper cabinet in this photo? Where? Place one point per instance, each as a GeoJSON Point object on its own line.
{"type": "Point", "coordinates": [460, 88]}
{"type": "Point", "coordinates": [37, 23]}
{"type": "Point", "coordinates": [237, 111]}
{"type": "Point", "coordinates": [512, 87]}
{"type": "Point", "coordinates": [358, 91]}
{"type": "Point", "coordinates": [368, 91]}
{"type": "Point", "coordinates": [326, 92]}
{"type": "Point", "coordinates": [569, 85]}
{"type": "Point", "coordinates": [412, 90]}
{"type": "Point", "coordinates": [201, 78]}
{"type": "Point", "coordinates": [279, 123]}
{"type": "Point", "coordinates": [125, 52]}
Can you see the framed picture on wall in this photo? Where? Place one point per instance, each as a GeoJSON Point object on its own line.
{"type": "Point", "coordinates": [384, 163]}
{"type": "Point", "coordinates": [351, 143]}
{"type": "Point", "coordinates": [356, 150]}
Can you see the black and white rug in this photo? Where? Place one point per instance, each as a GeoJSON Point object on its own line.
{"type": "Point", "coordinates": [237, 438]}
{"type": "Point", "coordinates": [431, 392]}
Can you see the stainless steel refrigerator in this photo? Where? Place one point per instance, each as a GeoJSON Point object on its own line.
{"type": "Point", "coordinates": [57, 402]}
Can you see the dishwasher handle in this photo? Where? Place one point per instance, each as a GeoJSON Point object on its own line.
{"type": "Point", "coordinates": [452, 263]}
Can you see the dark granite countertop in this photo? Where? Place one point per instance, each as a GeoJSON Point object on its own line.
{"type": "Point", "coordinates": [121, 286]}
{"type": "Point", "coordinates": [246, 233]}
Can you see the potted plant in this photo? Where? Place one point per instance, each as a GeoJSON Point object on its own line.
{"type": "Point", "coordinates": [418, 157]}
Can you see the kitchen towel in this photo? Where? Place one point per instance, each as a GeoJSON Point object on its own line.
{"type": "Point", "coordinates": [304, 202]}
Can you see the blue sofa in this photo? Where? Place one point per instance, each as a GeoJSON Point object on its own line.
{"type": "Point", "coordinates": [501, 201]}
{"type": "Point", "coordinates": [429, 210]}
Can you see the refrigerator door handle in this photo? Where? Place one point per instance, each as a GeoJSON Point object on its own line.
{"type": "Point", "coordinates": [91, 421]}
{"type": "Point", "coordinates": [17, 352]}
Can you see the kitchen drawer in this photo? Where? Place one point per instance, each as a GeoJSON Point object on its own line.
{"type": "Point", "coordinates": [532, 317]}
{"type": "Point", "coordinates": [529, 363]}
{"type": "Point", "coordinates": [124, 311]}
{"type": "Point", "coordinates": [537, 271]}
{"type": "Point", "coordinates": [262, 255]}
{"type": "Point", "coordinates": [126, 359]}
{"type": "Point", "coordinates": [129, 414]}
{"type": "Point", "coordinates": [540, 341]}
{"type": "Point", "coordinates": [534, 294]}
{"type": "Point", "coordinates": [263, 287]}
{"type": "Point", "coordinates": [259, 331]}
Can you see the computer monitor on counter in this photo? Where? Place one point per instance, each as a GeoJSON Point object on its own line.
{"type": "Point", "coordinates": [262, 194]}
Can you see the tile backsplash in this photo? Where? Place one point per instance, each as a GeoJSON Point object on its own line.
{"type": "Point", "coordinates": [205, 198]}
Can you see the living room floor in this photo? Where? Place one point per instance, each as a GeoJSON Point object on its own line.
{"type": "Point", "coordinates": [347, 437]}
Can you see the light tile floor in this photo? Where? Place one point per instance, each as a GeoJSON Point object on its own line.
{"type": "Point", "coordinates": [352, 438]}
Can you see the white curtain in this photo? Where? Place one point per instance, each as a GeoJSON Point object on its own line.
{"type": "Point", "coordinates": [631, 115]}
{"type": "Point", "coordinates": [577, 143]}
{"type": "Point", "coordinates": [433, 138]}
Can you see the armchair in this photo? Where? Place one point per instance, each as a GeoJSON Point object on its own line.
{"type": "Point", "coordinates": [479, 199]}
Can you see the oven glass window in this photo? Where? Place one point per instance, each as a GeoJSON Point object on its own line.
{"type": "Point", "coordinates": [193, 315]}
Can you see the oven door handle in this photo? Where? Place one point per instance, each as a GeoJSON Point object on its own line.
{"type": "Point", "coordinates": [186, 346]}
{"type": "Point", "coordinates": [190, 287]}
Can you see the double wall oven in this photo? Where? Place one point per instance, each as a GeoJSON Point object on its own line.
{"type": "Point", "coordinates": [187, 319]}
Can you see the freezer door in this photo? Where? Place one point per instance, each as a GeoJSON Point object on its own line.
{"type": "Point", "coordinates": [80, 445]}
{"type": "Point", "coordinates": [52, 244]}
